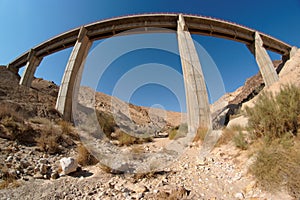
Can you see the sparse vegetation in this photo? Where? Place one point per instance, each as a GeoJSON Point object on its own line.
{"type": "Point", "coordinates": [126, 139]}
{"type": "Point", "coordinates": [240, 141]}
{"type": "Point", "coordinates": [137, 149]}
{"type": "Point", "coordinates": [67, 129]}
{"type": "Point", "coordinates": [178, 132]}
{"type": "Point", "coordinates": [107, 123]}
{"type": "Point", "coordinates": [13, 126]}
{"type": "Point", "coordinates": [277, 166]}
{"type": "Point", "coordinates": [8, 179]}
{"type": "Point", "coordinates": [273, 116]}
{"type": "Point", "coordinates": [274, 120]}
{"type": "Point", "coordinates": [84, 157]}
{"type": "Point", "coordinates": [228, 134]}
{"type": "Point", "coordinates": [105, 168]}
{"type": "Point", "coordinates": [49, 138]}
{"type": "Point", "coordinates": [175, 194]}
{"type": "Point", "coordinates": [200, 135]}
{"type": "Point", "coordinates": [40, 120]}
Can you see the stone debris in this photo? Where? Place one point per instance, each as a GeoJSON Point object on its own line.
{"type": "Point", "coordinates": [68, 165]}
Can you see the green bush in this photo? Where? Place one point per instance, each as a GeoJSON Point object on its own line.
{"type": "Point", "coordinates": [273, 116]}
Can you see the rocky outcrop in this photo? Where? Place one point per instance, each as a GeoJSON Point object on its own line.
{"type": "Point", "coordinates": [248, 91]}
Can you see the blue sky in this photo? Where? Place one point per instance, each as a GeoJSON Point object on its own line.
{"type": "Point", "coordinates": [25, 24]}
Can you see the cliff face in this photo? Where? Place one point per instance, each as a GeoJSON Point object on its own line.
{"type": "Point", "coordinates": [39, 100]}
{"type": "Point", "coordinates": [252, 87]}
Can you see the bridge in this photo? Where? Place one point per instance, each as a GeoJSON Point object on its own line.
{"type": "Point", "coordinates": [81, 39]}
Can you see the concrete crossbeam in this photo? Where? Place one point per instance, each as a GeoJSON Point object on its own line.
{"type": "Point", "coordinates": [264, 61]}
{"type": "Point", "coordinates": [72, 75]}
{"type": "Point", "coordinates": [32, 63]}
{"type": "Point", "coordinates": [198, 111]}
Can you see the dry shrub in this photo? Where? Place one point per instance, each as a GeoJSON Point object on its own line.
{"type": "Point", "coordinates": [235, 134]}
{"type": "Point", "coordinates": [84, 157]}
{"type": "Point", "coordinates": [8, 179]}
{"type": "Point", "coordinates": [127, 140]}
{"type": "Point", "coordinates": [228, 134]}
{"type": "Point", "coordinates": [178, 132]}
{"type": "Point", "coordinates": [107, 169]}
{"type": "Point", "coordinates": [40, 120]}
{"type": "Point", "coordinates": [49, 139]}
{"type": "Point", "coordinates": [175, 194]}
{"type": "Point", "coordinates": [277, 167]}
{"type": "Point", "coordinates": [107, 123]}
{"type": "Point", "coordinates": [146, 175]}
{"type": "Point", "coordinates": [13, 126]}
{"type": "Point", "coordinates": [240, 141]}
{"type": "Point", "coordinates": [67, 129]}
{"type": "Point", "coordinates": [137, 149]}
{"type": "Point", "coordinates": [226, 137]}
{"type": "Point", "coordinates": [200, 135]}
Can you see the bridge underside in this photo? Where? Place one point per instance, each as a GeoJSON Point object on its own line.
{"type": "Point", "coordinates": [196, 94]}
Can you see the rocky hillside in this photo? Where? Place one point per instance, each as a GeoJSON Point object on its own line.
{"type": "Point", "coordinates": [32, 169]}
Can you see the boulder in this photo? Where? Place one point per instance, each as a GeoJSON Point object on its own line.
{"type": "Point", "coordinates": [239, 121]}
{"type": "Point", "coordinates": [68, 165]}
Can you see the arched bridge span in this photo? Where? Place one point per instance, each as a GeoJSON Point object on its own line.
{"type": "Point", "coordinates": [185, 25]}
{"type": "Point", "coordinates": [196, 25]}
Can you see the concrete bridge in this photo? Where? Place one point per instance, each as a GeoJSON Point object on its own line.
{"type": "Point", "coordinates": [185, 25]}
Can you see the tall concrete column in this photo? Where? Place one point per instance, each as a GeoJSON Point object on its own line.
{"type": "Point", "coordinates": [72, 75]}
{"type": "Point", "coordinates": [198, 111]}
{"type": "Point", "coordinates": [32, 63]}
{"type": "Point", "coordinates": [264, 61]}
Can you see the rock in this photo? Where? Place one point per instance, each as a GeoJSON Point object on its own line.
{"type": "Point", "coordinates": [239, 195]}
{"type": "Point", "coordinates": [27, 178]}
{"type": "Point", "coordinates": [162, 135]}
{"type": "Point", "coordinates": [43, 161]}
{"type": "Point", "coordinates": [250, 187]}
{"type": "Point", "coordinates": [9, 159]}
{"type": "Point", "coordinates": [43, 169]}
{"type": "Point", "coordinates": [68, 165]}
{"type": "Point", "coordinates": [239, 121]}
{"type": "Point", "coordinates": [237, 177]}
{"type": "Point", "coordinates": [38, 175]}
{"type": "Point", "coordinates": [137, 188]}
{"type": "Point", "coordinates": [201, 161]}
{"type": "Point", "coordinates": [24, 164]}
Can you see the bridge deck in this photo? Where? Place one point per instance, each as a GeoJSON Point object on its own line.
{"type": "Point", "coordinates": [196, 25]}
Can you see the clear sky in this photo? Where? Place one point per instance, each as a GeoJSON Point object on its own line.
{"type": "Point", "coordinates": [25, 24]}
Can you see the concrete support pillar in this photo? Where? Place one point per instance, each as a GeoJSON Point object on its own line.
{"type": "Point", "coordinates": [72, 75]}
{"type": "Point", "coordinates": [198, 111]}
{"type": "Point", "coordinates": [32, 63]}
{"type": "Point", "coordinates": [264, 61]}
